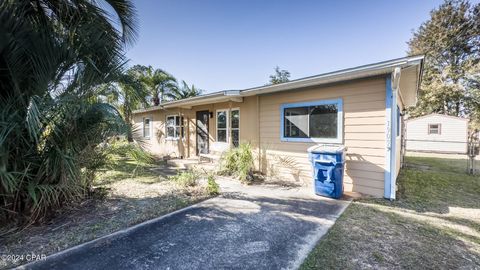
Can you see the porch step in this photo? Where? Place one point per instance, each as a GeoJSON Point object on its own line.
{"type": "Point", "coordinates": [191, 164]}
{"type": "Point", "coordinates": [181, 163]}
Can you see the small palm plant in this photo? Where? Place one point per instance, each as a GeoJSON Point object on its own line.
{"type": "Point", "coordinates": [239, 162]}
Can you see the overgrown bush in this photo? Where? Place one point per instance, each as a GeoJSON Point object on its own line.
{"type": "Point", "coordinates": [131, 150]}
{"type": "Point", "coordinates": [52, 120]}
{"type": "Point", "coordinates": [212, 187]}
{"type": "Point", "coordinates": [117, 152]}
{"type": "Point", "coordinates": [185, 178]}
{"type": "Point", "coordinates": [239, 162]}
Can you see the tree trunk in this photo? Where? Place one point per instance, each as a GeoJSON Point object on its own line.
{"type": "Point", "coordinates": [128, 121]}
{"type": "Point", "coordinates": [129, 136]}
{"type": "Point", "coordinates": [156, 101]}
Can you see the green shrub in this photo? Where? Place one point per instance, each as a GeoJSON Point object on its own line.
{"type": "Point", "coordinates": [212, 186]}
{"type": "Point", "coordinates": [185, 178]}
{"type": "Point", "coordinates": [239, 162]}
{"type": "Point", "coordinates": [124, 149]}
{"type": "Point", "coordinates": [229, 161]}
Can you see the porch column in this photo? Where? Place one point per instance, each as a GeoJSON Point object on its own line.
{"type": "Point", "coordinates": [187, 132]}
{"type": "Point", "coordinates": [229, 122]}
{"type": "Point", "coordinates": [180, 137]}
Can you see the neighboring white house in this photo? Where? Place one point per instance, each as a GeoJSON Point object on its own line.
{"type": "Point", "coordinates": [437, 133]}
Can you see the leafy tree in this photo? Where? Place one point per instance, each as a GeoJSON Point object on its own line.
{"type": "Point", "coordinates": [157, 81]}
{"type": "Point", "coordinates": [450, 41]}
{"type": "Point", "coordinates": [185, 91]}
{"type": "Point", "coordinates": [54, 57]}
{"type": "Point", "coordinates": [280, 76]}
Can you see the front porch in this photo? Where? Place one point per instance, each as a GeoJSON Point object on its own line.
{"type": "Point", "coordinates": [192, 163]}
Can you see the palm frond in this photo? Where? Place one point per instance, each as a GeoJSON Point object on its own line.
{"type": "Point", "coordinates": [55, 57]}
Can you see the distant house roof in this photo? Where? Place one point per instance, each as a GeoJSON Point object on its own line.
{"type": "Point", "coordinates": [437, 114]}
{"type": "Point", "coordinates": [370, 70]}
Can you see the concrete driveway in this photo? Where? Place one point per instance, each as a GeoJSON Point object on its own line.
{"type": "Point", "coordinates": [248, 227]}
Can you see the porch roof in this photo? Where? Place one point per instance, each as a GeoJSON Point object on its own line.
{"type": "Point", "coordinates": [411, 63]}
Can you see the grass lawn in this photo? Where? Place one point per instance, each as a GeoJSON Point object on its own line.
{"type": "Point", "coordinates": [434, 224]}
{"type": "Point", "coordinates": [133, 194]}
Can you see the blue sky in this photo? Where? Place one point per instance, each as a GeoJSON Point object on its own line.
{"type": "Point", "coordinates": [227, 44]}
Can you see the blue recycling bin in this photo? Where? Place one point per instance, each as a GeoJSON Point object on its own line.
{"type": "Point", "coordinates": [328, 163]}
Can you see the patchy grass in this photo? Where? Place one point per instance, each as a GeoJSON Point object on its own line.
{"type": "Point", "coordinates": [133, 193]}
{"type": "Point", "coordinates": [440, 164]}
{"type": "Point", "coordinates": [434, 224]}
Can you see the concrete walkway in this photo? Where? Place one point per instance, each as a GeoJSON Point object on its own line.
{"type": "Point", "coordinates": [248, 227]}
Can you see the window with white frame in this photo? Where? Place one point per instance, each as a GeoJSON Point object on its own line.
{"type": "Point", "coordinates": [146, 127]}
{"type": "Point", "coordinates": [222, 126]}
{"type": "Point", "coordinates": [235, 126]}
{"type": "Point", "coordinates": [319, 121]}
{"type": "Point", "coordinates": [228, 126]}
{"type": "Point", "coordinates": [174, 127]}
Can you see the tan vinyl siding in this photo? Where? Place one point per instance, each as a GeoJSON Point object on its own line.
{"type": "Point", "coordinates": [364, 134]}
{"type": "Point", "coordinates": [157, 143]}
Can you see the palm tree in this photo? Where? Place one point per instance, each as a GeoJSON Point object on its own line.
{"type": "Point", "coordinates": [54, 57]}
{"type": "Point", "coordinates": [157, 81]}
{"type": "Point", "coordinates": [127, 93]}
{"type": "Point", "coordinates": [184, 91]}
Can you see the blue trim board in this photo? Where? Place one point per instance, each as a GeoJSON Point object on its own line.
{"type": "Point", "coordinates": [338, 102]}
{"type": "Point", "coordinates": [390, 139]}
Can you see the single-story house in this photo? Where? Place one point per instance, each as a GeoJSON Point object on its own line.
{"type": "Point", "coordinates": [437, 133]}
{"type": "Point", "coordinates": [357, 107]}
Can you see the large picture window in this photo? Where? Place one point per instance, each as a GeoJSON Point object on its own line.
{"type": "Point", "coordinates": [318, 121]}
{"type": "Point", "coordinates": [228, 124]}
{"type": "Point", "coordinates": [174, 127]}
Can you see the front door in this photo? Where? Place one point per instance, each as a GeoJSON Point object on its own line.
{"type": "Point", "coordinates": [202, 132]}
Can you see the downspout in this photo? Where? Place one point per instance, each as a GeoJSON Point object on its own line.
{"type": "Point", "coordinates": [392, 86]}
{"type": "Point", "coordinates": [258, 136]}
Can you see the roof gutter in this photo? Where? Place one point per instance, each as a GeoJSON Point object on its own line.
{"type": "Point", "coordinates": [341, 75]}
{"type": "Point", "coordinates": [376, 69]}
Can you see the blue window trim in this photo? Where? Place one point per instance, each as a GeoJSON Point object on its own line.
{"type": "Point", "coordinates": [338, 102]}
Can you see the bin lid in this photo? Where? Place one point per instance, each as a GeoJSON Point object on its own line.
{"type": "Point", "coordinates": [327, 148]}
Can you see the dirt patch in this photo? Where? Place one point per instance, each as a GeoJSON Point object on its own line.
{"type": "Point", "coordinates": [419, 167]}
